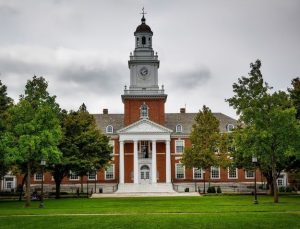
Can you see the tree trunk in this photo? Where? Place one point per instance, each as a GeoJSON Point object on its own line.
{"type": "Point", "coordinates": [81, 185]}
{"type": "Point", "coordinates": [209, 177]}
{"type": "Point", "coordinates": [22, 185]}
{"type": "Point", "coordinates": [274, 176]}
{"type": "Point", "coordinates": [28, 196]}
{"type": "Point", "coordinates": [57, 189]}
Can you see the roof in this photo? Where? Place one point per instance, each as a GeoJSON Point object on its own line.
{"type": "Point", "coordinates": [172, 119]}
{"type": "Point", "coordinates": [143, 27]}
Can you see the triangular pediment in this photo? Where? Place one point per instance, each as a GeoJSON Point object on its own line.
{"type": "Point", "coordinates": [144, 126]}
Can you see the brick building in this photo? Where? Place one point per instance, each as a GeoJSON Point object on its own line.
{"type": "Point", "coordinates": [148, 142]}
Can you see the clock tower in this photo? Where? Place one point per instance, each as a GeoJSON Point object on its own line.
{"type": "Point", "coordinates": [143, 89]}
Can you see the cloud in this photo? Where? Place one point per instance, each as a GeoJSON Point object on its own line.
{"type": "Point", "coordinates": [190, 79]}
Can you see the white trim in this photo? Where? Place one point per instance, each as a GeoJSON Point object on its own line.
{"type": "Point", "coordinates": [179, 128]}
{"type": "Point", "coordinates": [229, 129]}
{"type": "Point", "coordinates": [109, 131]}
{"type": "Point", "coordinates": [92, 179]}
{"type": "Point", "coordinates": [236, 174]}
{"type": "Point", "coordinates": [71, 179]}
{"type": "Point", "coordinates": [176, 170]}
{"type": "Point", "coordinates": [246, 174]}
{"type": "Point", "coordinates": [113, 165]}
{"type": "Point", "coordinates": [211, 169]}
{"type": "Point", "coordinates": [201, 172]}
{"type": "Point", "coordinates": [183, 145]}
{"type": "Point", "coordinates": [34, 177]}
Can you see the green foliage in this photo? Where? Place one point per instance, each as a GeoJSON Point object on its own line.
{"type": "Point", "coordinates": [34, 130]}
{"type": "Point", "coordinates": [209, 146]}
{"type": "Point", "coordinates": [295, 95]}
{"type": "Point", "coordinates": [270, 130]}
{"type": "Point", "coordinates": [84, 148]}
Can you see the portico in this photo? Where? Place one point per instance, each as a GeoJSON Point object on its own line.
{"type": "Point", "coordinates": [145, 135]}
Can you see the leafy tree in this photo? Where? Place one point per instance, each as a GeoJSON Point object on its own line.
{"type": "Point", "coordinates": [270, 130]}
{"type": "Point", "coordinates": [208, 145]}
{"type": "Point", "coordinates": [295, 95]}
{"type": "Point", "coordinates": [5, 103]}
{"type": "Point", "coordinates": [83, 146]}
{"type": "Point", "coordinates": [34, 129]}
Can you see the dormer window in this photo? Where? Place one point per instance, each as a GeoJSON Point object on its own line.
{"type": "Point", "coordinates": [144, 111]}
{"type": "Point", "coordinates": [179, 128]}
{"type": "Point", "coordinates": [109, 129]}
{"type": "Point", "coordinates": [229, 127]}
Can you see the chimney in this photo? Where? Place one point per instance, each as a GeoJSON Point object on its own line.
{"type": "Point", "coordinates": [105, 111]}
{"type": "Point", "coordinates": [182, 110]}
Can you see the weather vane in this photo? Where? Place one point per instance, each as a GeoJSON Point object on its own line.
{"type": "Point", "coordinates": [143, 12]}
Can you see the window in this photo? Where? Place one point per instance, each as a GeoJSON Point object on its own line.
{"type": "Point", "coordinates": [143, 40]}
{"type": "Point", "coordinates": [179, 171]}
{"type": "Point", "coordinates": [137, 41]}
{"type": "Point", "coordinates": [109, 172]}
{"type": "Point", "coordinates": [144, 111]}
{"type": "Point", "coordinates": [92, 175]}
{"type": "Point", "coordinates": [109, 129]}
{"type": "Point", "coordinates": [249, 174]}
{"type": "Point", "coordinates": [197, 173]}
{"type": "Point", "coordinates": [215, 172]}
{"type": "Point", "coordinates": [179, 128]}
{"type": "Point", "coordinates": [73, 176]}
{"type": "Point", "coordinates": [38, 176]}
{"type": "Point", "coordinates": [112, 144]}
{"type": "Point", "coordinates": [229, 127]}
{"type": "Point", "coordinates": [232, 173]}
{"type": "Point", "coordinates": [179, 145]}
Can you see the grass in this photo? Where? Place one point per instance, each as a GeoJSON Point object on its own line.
{"type": "Point", "coordinates": [154, 212]}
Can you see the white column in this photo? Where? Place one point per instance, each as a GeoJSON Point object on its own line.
{"type": "Point", "coordinates": [135, 162]}
{"type": "Point", "coordinates": [121, 161]}
{"type": "Point", "coordinates": [154, 180]}
{"type": "Point", "coordinates": [168, 162]}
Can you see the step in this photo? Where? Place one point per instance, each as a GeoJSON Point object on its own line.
{"type": "Point", "coordinates": [145, 188]}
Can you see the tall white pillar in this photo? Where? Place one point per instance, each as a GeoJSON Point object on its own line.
{"type": "Point", "coordinates": [168, 162]}
{"type": "Point", "coordinates": [121, 161]}
{"type": "Point", "coordinates": [154, 179]}
{"type": "Point", "coordinates": [135, 163]}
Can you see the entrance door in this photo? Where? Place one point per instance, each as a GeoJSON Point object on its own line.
{"type": "Point", "coordinates": [145, 174]}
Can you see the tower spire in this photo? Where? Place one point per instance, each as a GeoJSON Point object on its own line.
{"type": "Point", "coordinates": [143, 18]}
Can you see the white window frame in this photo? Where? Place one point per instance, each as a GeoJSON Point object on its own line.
{"type": "Point", "coordinates": [183, 144]}
{"type": "Point", "coordinates": [90, 174]}
{"type": "Point", "coordinates": [201, 173]}
{"type": "Point", "coordinates": [36, 177]}
{"type": "Point", "coordinates": [113, 173]}
{"type": "Point", "coordinates": [211, 173]}
{"type": "Point", "coordinates": [179, 128]}
{"type": "Point", "coordinates": [246, 174]}
{"type": "Point", "coordinates": [229, 129]}
{"type": "Point", "coordinates": [73, 174]}
{"type": "Point", "coordinates": [176, 164]}
{"type": "Point", "coordinates": [236, 173]}
{"type": "Point", "coordinates": [109, 129]}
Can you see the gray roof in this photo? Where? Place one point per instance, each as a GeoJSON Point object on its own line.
{"type": "Point", "coordinates": [172, 119]}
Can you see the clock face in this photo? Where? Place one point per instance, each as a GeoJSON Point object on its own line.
{"type": "Point", "coordinates": [144, 72]}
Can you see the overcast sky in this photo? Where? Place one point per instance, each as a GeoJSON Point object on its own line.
{"type": "Point", "coordinates": [82, 48]}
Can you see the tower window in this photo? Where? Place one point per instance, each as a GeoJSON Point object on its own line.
{"type": "Point", "coordinates": [144, 111]}
{"type": "Point", "coordinates": [143, 40]}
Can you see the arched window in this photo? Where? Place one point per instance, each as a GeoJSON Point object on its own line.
{"type": "Point", "coordinates": [109, 129]}
{"type": "Point", "coordinates": [229, 127]}
{"type": "Point", "coordinates": [144, 111]}
{"type": "Point", "coordinates": [137, 41]}
{"type": "Point", "coordinates": [179, 128]}
{"type": "Point", "coordinates": [143, 40]}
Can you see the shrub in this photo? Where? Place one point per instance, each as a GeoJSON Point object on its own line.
{"type": "Point", "coordinates": [211, 189]}
{"type": "Point", "coordinates": [219, 189]}
{"type": "Point", "coordinates": [288, 189]}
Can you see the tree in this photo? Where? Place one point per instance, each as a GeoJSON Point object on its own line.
{"type": "Point", "coordinates": [5, 103]}
{"type": "Point", "coordinates": [83, 146]}
{"type": "Point", "coordinates": [207, 143]}
{"type": "Point", "coordinates": [34, 129]}
{"type": "Point", "coordinates": [270, 130]}
{"type": "Point", "coordinates": [295, 95]}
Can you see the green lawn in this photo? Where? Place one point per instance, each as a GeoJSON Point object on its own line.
{"type": "Point", "coordinates": [159, 212]}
